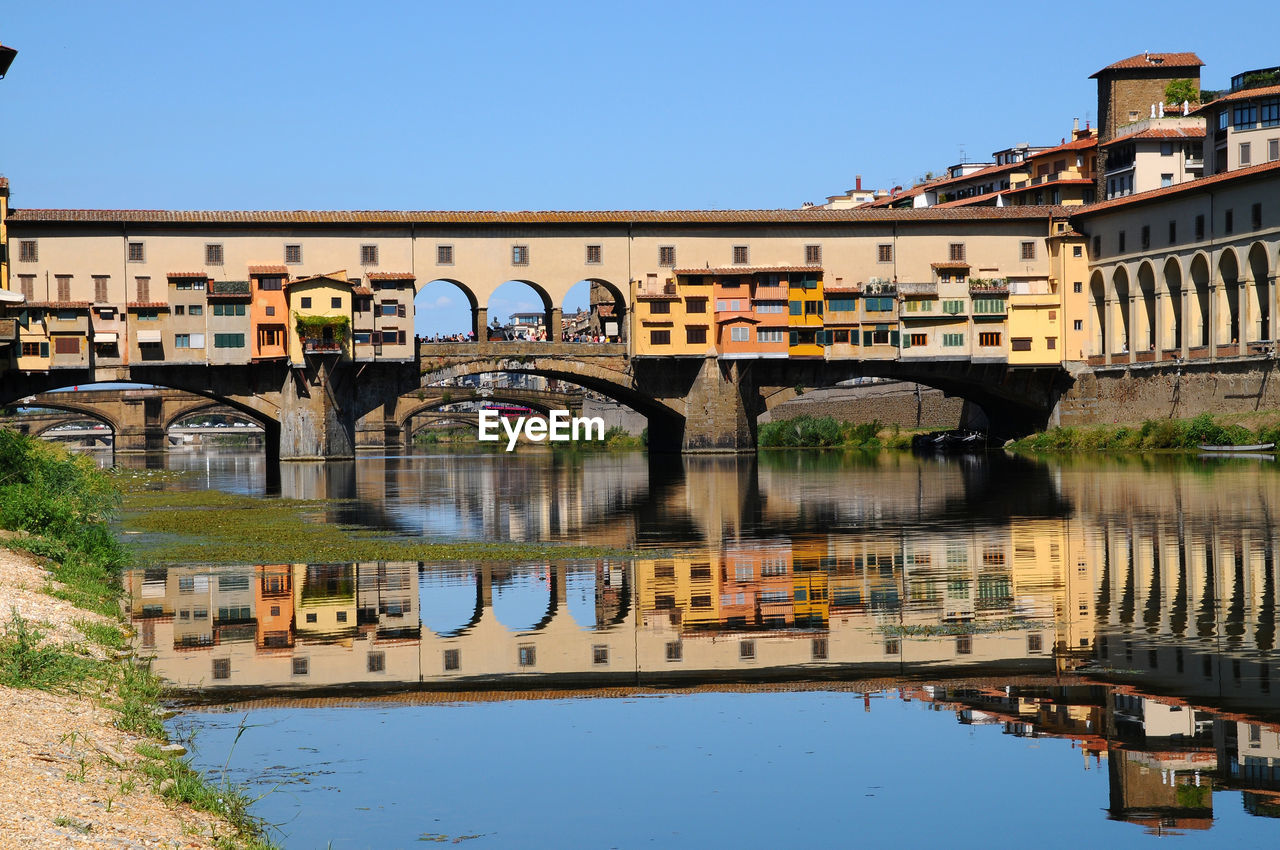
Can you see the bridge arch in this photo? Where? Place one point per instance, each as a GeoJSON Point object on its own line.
{"type": "Point", "coordinates": [1120, 286]}
{"type": "Point", "coordinates": [1147, 329]}
{"type": "Point", "coordinates": [606, 307]}
{"type": "Point", "coordinates": [1258, 271]}
{"type": "Point", "coordinates": [550, 311]}
{"type": "Point", "coordinates": [1173, 330]}
{"type": "Point", "coordinates": [206, 405]}
{"type": "Point", "coordinates": [1230, 320]}
{"type": "Point", "coordinates": [1198, 304]}
{"type": "Point", "coordinates": [430, 301]}
{"type": "Point", "coordinates": [1098, 302]}
{"type": "Point", "coordinates": [72, 407]}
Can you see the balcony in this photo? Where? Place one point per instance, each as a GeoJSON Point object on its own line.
{"type": "Point", "coordinates": [321, 346]}
{"type": "Point", "coordinates": [925, 290]}
{"type": "Point", "coordinates": [995, 286]}
{"type": "Point", "coordinates": [229, 287]}
{"type": "Point", "coordinates": [657, 292]}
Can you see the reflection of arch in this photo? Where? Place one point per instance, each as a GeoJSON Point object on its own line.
{"type": "Point", "coordinates": [555, 580]}
{"type": "Point", "coordinates": [421, 309]}
{"type": "Point", "coordinates": [474, 609]}
{"type": "Point", "coordinates": [1198, 318]}
{"type": "Point", "coordinates": [1229, 323]}
{"type": "Point", "coordinates": [1098, 301]}
{"type": "Point", "coordinates": [1173, 329]}
{"type": "Point", "coordinates": [1259, 275]}
{"type": "Point", "coordinates": [1146, 331]}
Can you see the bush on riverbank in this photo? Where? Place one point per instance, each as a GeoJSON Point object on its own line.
{"type": "Point", "coordinates": [1151, 435]}
{"type": "Point", "coordinates": [827, 432]}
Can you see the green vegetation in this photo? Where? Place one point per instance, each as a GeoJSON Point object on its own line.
{"type": "Point", "coordinates": [827, 433]}
{"type": "Point", "coordinates": [313, 327]}
{"type": "Point", "coordinates": [1151, 435]}
{"type": "Point", "coordinates": [615, 439]}
{"type": "Point", "coordinates": [27, 660]}
{"type": "Point", "coordinates": [59, 505]}
{"type": "Point", "coordinates": [211, 527]}
{"type": "Point", "coordinates": [1179, 90]}
{"type": "Point", "coordinates": [1259, 79]}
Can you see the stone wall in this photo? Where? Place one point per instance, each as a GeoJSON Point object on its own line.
{"type": "Point", "coordinates": [1121, 395]}
{"type": "Point", "coordinates": [893, 403]}
{"type": "Point", "coordinates": [615, 415]}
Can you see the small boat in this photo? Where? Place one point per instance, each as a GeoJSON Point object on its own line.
{"type": "Point", "coordinates": [1236, 456]}
{"type": "Point", "coordinates": [1257, 447]}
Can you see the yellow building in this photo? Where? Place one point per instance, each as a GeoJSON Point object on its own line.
{"type": "Point", "coordinates": [805, 323]}
{"type": "Point", "coordinates": [321, 310]}
{"type": "Point", "coordinates": [671, 318]}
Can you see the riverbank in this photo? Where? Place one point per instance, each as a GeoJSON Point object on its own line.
{"type": "Point", "coordinates": [1155, 435]}
{"type": "Point", "coordinates": [84, 749]}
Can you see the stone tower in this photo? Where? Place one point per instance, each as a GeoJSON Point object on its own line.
{"type": "Point", "coordinates": [1128, 88]}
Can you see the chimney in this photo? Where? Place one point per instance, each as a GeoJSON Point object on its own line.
{"type": "Point", "coordinates": [858, 183]}
{"type": "Point", "coordinates": [1075, 126]}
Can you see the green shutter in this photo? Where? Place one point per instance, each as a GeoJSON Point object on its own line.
{"type": "Point", "coordinates": [894, 336]}
{"type": "Point", "coordinates": [906, 341]}
{"type": "Point", "coordinates": [795, 338]}
{"type": "Point", "coordinates": [44, 349]}
{"type": "Point", "coordinates": [866, 337]}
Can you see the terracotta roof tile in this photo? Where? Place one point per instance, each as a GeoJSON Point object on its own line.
{"type": "Point", "coordinates": [1243, 94]}
{"type": "Point", "coordinates": [952, 264]}
{"type": "Point", "coordinates": [1162, 133]}
{"type": "Point", "coordinates": [392, 276]}
{"type": "Point", "coordinates": [148, 305]}
{"type": "Point", "coordinates": [188, 275]}
{"type": "Point", "coordinates": [361, 290]}
{"type": "Point", "coordinates": [1073, 145]}
{"type": "Point", "coordinates": [972, 200]}
{"type": "Point", "coordinates": [779, 216]}
{"type": "Point", "coordinates": [725, 271]}
{"type": "Point", "coordinates": [269, 270]}
{"type": "Point", "coordinates": [1153, 60]}
{"type": "Point", "coordinates": [1190, 186]}
{"type": "Point", "coordinates": [60, 305]}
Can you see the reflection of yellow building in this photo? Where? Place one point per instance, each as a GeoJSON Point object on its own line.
{"type": "Point", "coordinates": [324, 601]}
{"type": "Point", "coordinates": [684, 586]}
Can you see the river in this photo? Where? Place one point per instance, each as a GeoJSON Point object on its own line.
{"type": "Point", "coordinates": [806, 647]}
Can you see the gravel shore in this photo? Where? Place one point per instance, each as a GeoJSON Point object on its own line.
{"type": "Point", "coordinates": [66, 773]}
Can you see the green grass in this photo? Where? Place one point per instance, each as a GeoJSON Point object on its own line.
{"type": "Point", "coordinates": [28, 660]}
{"type": "Point", "coordinates": [1151, 435]}
{"type": "Point", "coordinates": [213, 528]}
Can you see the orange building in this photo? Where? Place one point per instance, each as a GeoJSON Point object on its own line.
{"type": "Point", "coordinates": [269, 312]}
{"type": "Point", "coordinates": [274, 604]}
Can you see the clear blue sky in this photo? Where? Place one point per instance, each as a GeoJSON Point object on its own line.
{"type": "Point", "coordinates": [382, 105]}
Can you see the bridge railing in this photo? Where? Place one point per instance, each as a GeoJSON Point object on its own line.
{"type": "Point", "coordinates": [429, 350]}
